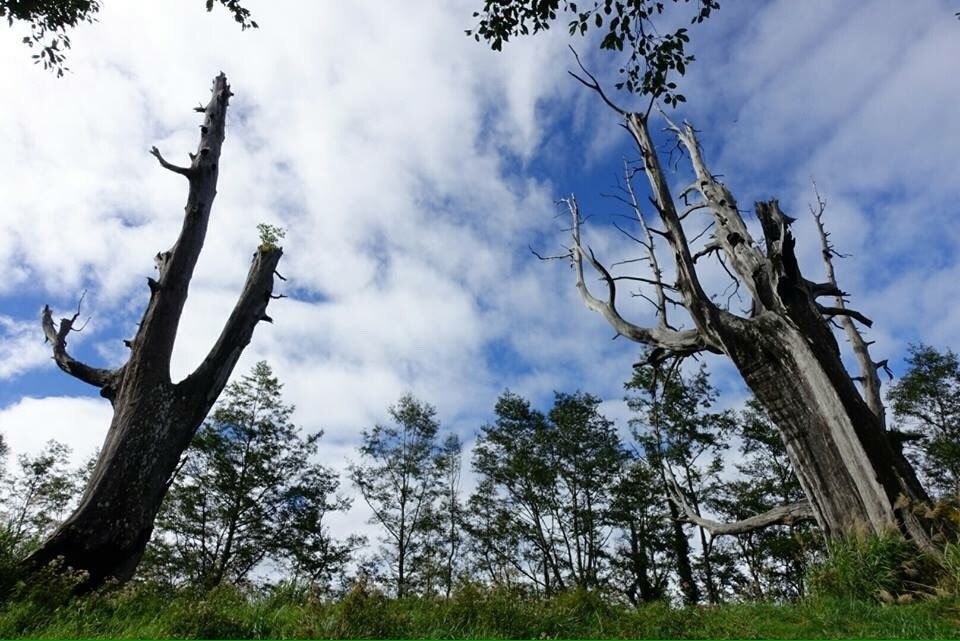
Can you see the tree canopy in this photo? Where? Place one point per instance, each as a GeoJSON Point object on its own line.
{"type": "Point", "coordinates": [50, 23]}
{"type": "Point", "coordinates": [651, 56]}
{"type": "Point", "coordinates": [248, 490]}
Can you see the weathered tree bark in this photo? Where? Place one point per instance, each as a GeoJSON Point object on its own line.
{"type": "Point", "coordinates": [785, 349]}
{"type": "Point", "coordinates": [154, 419]}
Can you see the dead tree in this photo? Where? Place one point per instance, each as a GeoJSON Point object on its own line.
{"type": "Point", "coordinates": [784, 348]}
{"type": "Point", "coordinates": [154, 419]}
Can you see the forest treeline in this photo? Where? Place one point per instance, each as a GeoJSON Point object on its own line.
{"type": "Point", "coordinates": [563, 498]}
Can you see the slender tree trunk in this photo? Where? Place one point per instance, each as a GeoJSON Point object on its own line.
{"type": "Point", "coordinates": [546, 576]}
{"type": "Point", "coordinates": [681, 551]}
{"type": "Point", "coordinates": [638, 559]}
{"type": "Point", "coordinates": [452, 553]}
{"type": "Point", "coordinates": [154, 419]}
{"type": "Point", "coordinates": [401, 562]}
{"type": "Point", "coordinates": [707, 547]}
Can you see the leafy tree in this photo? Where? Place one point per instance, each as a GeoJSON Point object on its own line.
{"type": "Point", "coordinates": [926, 405]}
{"type": "Point", "coordinates": [588, 456]}
{"type": "Point", "coordinates": [50, 21]}
{"type": "Point", "coordinates": [684, 439]}
{"type": "Point", "coordinates": [450, 509]}
{"type": "Point", "coordinates": [37, 495]}
{"type": "Point", "coordinates": [775, 559]}
{"type": "Point", "coordinates": [247, 492]}
{"type": "Point", "coordinates": [545, 492]}
{"type": "Point", "coordinates": [652, 55]}
{"type": "Point", "coordinates": [312, 553]}
{"type": "Point", "coordinates": [497, 547]}
{"type": "Point", "coordinates": [512, 456]}
{"type": "Point", "coordinates": [399, 479]}
{"type": "Point", "coordinates": [437, 556]}
{"type": "Point", "coordinates": [643, 557]}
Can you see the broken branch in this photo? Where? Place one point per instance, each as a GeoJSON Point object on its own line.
{"type": "Point", "coordinates": [781, 515]}
{"type": "Point", "coordinates": [209, 379]}
{"type": "Point", "coordinates": [183, 171]}
{"type": "Point", "coordinates": [843, 311]}
{"type": "Point", "coordinates": [57, 336]}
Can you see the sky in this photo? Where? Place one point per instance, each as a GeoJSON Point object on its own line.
{"type": "Point", "coordinates": [413, 169]}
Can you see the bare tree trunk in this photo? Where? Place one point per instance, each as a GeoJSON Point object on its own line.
{"type": "Point", "coordinates": [154, 419]}
{"type": "Point", "coordinates": [785, 350]}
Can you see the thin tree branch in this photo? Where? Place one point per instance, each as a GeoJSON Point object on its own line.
{"type": "Point", "coordinates": [697, 303]}
{"type": "Point", "coordinates": [661, 303]}
{"type": "Point", "coordinates": [674, 341]}
{"type": "Point", "coordinates": [183, 171]}
{"type": "Point", "coordinates": [869, 379]}
{"type": "Point", "coordinates": [57, 337]}
{"type": "Point", "coordinates": [843, 311]}
{"type": "Point", "coordinates": [593, 83]}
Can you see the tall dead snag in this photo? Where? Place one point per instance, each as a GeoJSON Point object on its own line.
{"type": "Point", "coordinates": [784, 348]}
{"type": "Point", "coordinates": [154, 419]}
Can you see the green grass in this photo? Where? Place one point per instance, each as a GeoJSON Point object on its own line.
{"type": "Point", "coordinates": [150, 612]}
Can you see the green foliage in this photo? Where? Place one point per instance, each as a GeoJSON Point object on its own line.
{"type": "Point", "coordinates": [50, 20]}
{"type": "Point", "coordinates": [652, 55]}
{"type": "Point", "coordinates": [926, 405]}
{"type": "Point", "coordinates": [9, 558]}
{"type": "Point", "coordinates": [399, 478]}
{"type": "Point", "coordinates": [540, 514]}
{"type": "Point", "coordinates": [247, 492]}
{"type": "Point", "coordinates": [37, 495]}
{"type": "Point", "coordinates": [643, 558]}
{"type": "Point", "coordinates": [775, 559]}
{"type": "Point", "coordinates": [950, 564]}
{"type": "Point", "coordinates": [4, 450]}
{"type": "Point", "coordinates": [441, 554]}
{"type": "Point", "coordinates": [270, 236]}
{"type": "Point", "coordinates": [34, 497]}
{"type": "Point", "coordinates": [240, 13]}
{"type": "Point", "coordinates": [866, 567]}
{"type": "Point", "coordinates": [683, 438]}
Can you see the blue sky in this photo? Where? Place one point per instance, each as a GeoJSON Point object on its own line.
{"type": "Point", "coordinates": [412, 168]}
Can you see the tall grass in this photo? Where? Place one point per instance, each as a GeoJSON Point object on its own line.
{"type": "Point", "coordinates": [847, 602]}
{"type": "Point", "coordinates": [885, 568]}
{"type": "Point", "coordinates": [149, 611]}
{"type": "Point", "coordinates": [863, 567]}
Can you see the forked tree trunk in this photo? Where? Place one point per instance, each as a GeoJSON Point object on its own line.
{"type": "Point", "coordinates": [785, 349]}
{"type": "Point", "coordinates": [154, 419]}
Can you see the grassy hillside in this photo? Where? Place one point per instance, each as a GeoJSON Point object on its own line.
{"type": "Point", "coordinates": [151, 612]}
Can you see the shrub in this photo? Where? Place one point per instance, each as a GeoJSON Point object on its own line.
{"type": "Point", "coordinates": [866, 567]}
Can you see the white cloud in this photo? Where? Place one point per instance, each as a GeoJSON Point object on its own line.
{"type": "Point", "coordinates": [398, 154]}
{"type": "Point", "coordinates": [21, 347]}
{"type": "Point", "coordinates": [79, 422]}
